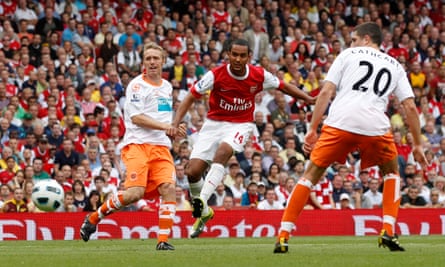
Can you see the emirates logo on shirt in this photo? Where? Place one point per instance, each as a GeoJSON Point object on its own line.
{"type": "Point", "coordinates": [238, 104]}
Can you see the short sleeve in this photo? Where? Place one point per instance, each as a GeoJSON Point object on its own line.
{"type": "Point", "coordinates": [270, 81]}
{"type": "Point", "coordinates": [205, 84]}
{"type": "Point", "coordinates": [335, 72]}
{"type": "Point", "coordinates": [135, 101]}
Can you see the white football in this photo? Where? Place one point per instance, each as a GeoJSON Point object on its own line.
{"type": "Point", "coordinates": [47, 195]}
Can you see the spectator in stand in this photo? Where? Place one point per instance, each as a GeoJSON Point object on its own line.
{"type": "Point", "coordinates": [17, 181]}
{"type": "Point", "coordinates": [375, 196]}
{"type": "Point", "coordinates": [238, 187]}
{"type": "Point", "coordinates": [55, 134]}
{"type": "Point", "coordinates": [403, 149]}
{"type": "Point", "coordinates": [8, 173]}
{"type": "Point", "coordinates": [434, 199]}
{"type": "Point", "coordinates": [181, 178]}
{"type": "Point", "coordinates": [108, 50]}
{"type": "Point", "coordinates": [256, 174]}
{"type": "Point", "coordinates": [110, 183]}
{"type": "Point", "coordinates": [39, 173]}
{"type": "Point", "coordinates": [416, 77]}
{"type": "Point", "coordinates": [5, 154]}
{"type": "Point", "coordinates": [233, 169]}
{"type": "Point", "coordinates": [283, 192]}
{"type": "Point", "coordinates": [29, 173]}
{"type": "Point", "coordinates": [68, 203]}
{"type": "Point", "coordinates": [280, 116]}
{"type": "Point", "coordinates": [106, 163]}
{"type": "Point", "coordinates": [273, 175]}
{"type": "Point", "coordinates": [79, 195]}
{"type": "Point", "coordinates": [182, 204]}
{"type": "Point", "coordinates": [99, 185]}
{"type": "Point", "coordinates": [16, 203]}
{"type": "Point", "coordinates": [115, 85]}
{"type": "Point", "coordinates": [5, 194]}
{"type": "Point", "coordinates": [93, 202]}
{"type": "Point", "coordinates": [250, 198]}
{"type": "Point", "coordinates": [128, 58]}
{"type": "Point", "coordinates": [258, 41]}
{"type": "Point", "coordinates": [42, 149]}
{"type": "Point", "coordinates": [66, 155]}
{"type": "Point", "coordinates": [345, 202]}
{"type": "Point", "coordinates": [48, 23]}
{"type": "Point", "coordinates": [439, 184]}
{"type": "Point", "coordinates": [321, 196]}
{"type": "Point", "coordinates": [422, 189]}
{"type": "Point", "coordinates": [358, 199]}
{"type": "Point", "coordinates": [228, 203]}
{"type": "Point", "coordinates": [216, 199]}
{"type": "Point", "coordinates": [178, 73]}
{"type": "Point", "coordinates": [412, 199]}
{"type": "Point", "coordinates": [437, 84]}
{"type": "Point", "coordinates": [130, 32]}
{"type": "Point", "coordinates": [87, 104]}
{"type": "Point", "coordinates": [270, 202]}
{"type": "Point", "coordinates": [429, 131]}
{"type": "Point", "coordinates": [93, 158]}
{"type": "Point", "coordinates": [337, 187]}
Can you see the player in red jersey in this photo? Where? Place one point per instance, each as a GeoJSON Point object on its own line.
{"type": "Point", "coordinates": [229, 123]}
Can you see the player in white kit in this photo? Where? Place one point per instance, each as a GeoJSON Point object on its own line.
{"type": "Point", "coordinates": [362, 79]}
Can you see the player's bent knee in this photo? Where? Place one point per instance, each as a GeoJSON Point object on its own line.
{"type": "Point", "coordinates": [167, 189]}
{"type": "Point", "coordinates": [133, 194]}
{"type": "Point", "coordinates": [193, 174]}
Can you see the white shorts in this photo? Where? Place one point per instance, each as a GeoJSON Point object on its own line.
{"type": "Point", "coordinates": [213, 133]}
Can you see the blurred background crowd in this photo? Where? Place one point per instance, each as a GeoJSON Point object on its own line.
{"type": "Point", "coordinates": [64, 67]}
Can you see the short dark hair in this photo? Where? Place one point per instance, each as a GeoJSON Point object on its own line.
{"type": "Point", "coordinates": [241, 42]}
{"type": "Point", "coordinates": [99, 178]}
{"type": "Point", "coordinates": [371, 29]}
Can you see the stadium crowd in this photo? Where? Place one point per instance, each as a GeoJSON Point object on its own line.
{"type": "Point", "coordinates": [64, 67]}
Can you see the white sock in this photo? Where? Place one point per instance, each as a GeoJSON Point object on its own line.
{"type": "Point", "coordinates": [287, 226]}
{"type": "Point", "coordinates": [195, 188]}
{"type": "Point", "coordinates": [213, 179]}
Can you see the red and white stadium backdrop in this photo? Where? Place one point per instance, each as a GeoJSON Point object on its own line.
{"type": "Point", "coordinates": [237, 223]}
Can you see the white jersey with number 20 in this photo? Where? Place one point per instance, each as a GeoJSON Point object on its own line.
{"type": "Point", "coordinates": [365, 78]}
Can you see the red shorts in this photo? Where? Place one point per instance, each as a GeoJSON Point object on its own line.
{"type": "Point", "coordinates": [335, 144]}
{"type": "Point", "coordinates": [148, 166]}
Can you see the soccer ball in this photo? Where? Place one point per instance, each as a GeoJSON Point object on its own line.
{"type": "Point", "coordinates": [47, 195]}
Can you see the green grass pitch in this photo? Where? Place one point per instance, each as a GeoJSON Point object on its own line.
{"type": "Point", "coordinates": [234, 252]}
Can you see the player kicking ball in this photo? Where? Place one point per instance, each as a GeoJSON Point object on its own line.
{"type": "Point", "coordinates": [229, 124]}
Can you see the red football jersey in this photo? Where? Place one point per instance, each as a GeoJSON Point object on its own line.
{"type": "Point", "coordinates": [323, 191]}
{"type": "Point", "coordinates": [9, 9]}
{"type": "Point", "coordinates": [231, 97]}
{"type": "Point", "coordinates": [44, 155]}
{"type": "Point", "coordinates": [219, 17]}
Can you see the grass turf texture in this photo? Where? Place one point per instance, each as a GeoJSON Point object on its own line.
{"type": "Point", "coordinates": [234, 252]}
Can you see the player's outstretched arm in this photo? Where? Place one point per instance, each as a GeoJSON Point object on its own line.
{"type": "Point", "coordinates": [296, 92]}
{"type": "Point", "coordinates": [412, 118]}
{"type": "Point", "coordinates": [323, 100]}
{"type": "Point", "coordinates": [145, 121]}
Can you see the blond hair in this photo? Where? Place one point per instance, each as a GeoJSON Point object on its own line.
{"type": "Point", "coordinates": [155, 46]}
